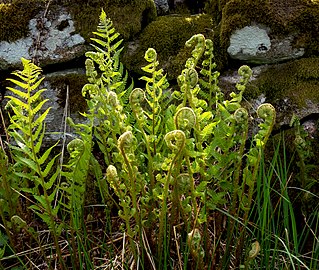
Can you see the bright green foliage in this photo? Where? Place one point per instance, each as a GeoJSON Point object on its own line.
{"type": "Point", "coordinates": [106, 88]}
{"type": "Point", "coordinates": [33, 170]}
{"type": "Point", "coordinates": [202, 139]}
{"type": "Point", "coordinates": [27, 128]}
{"type": "Point", "coordinates": [170, 167]}
{"type": "Point", "coordinates": [76, 173]}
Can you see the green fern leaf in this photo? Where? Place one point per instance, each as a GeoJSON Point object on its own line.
{"type": "Point", "coordinates": [46, 154]}
{"type": "Point", "coordinates": [41, 118]}
{"type": "Point", "coordinates": [28, 162]}
{"type": "Point", "coordinates": [39, 107]}
{"type": "Point", "coordinates": [19, 93]}
{"type": "Point", "coordinates": [18, 102]}
{"type": "Point", "coordinates": [49, 184]}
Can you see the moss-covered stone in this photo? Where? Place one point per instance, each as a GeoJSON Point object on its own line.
{"type": "Point", "coordinates": [282, 17]}
{"type": "Point", "coordinates": [129, 17]}
{"type": "Point", "coordinates": [15, 17]}
{"type": "Point", "coordinates": [298, 80]}
{"type": "Point", "coordinates": [75, 81]}
{"type": "Point", "coordinates": [167, 35]}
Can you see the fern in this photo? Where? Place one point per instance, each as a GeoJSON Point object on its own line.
{"type": "Point", "coordinates": [27, 128]}
{"type": "Point", "coordinates": [209, 81]}
{"type": "Point", "coordinates": [75, 173]}
{"type": "Point", "coordinates": [107, 58]}
{"type": "Point", "coordinates": [156, 84]}
{"type": "Point", "coordinates": [106, 91]}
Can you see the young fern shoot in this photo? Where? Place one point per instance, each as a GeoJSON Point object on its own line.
{"type": "Point", "coordinates": [27, 128]}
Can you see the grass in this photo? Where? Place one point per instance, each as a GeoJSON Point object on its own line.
{"type": "Point", "coordinates": [275, 221]}
{"type": "Point", "coordinates": [284, 243]}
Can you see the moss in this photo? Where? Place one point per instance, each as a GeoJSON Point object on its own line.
{"type": "Point", "coordinates": [129, 17]}
{"type": "Point", "coordinates": [14, 19]}
{"type": "Point", "coordinates": [167, 35]}
{"type": "Point", "coordinates": [214, 8]}
{"type": "Point", "coordinates": [298, 80]}
{"type": "Point", "coordinates": [308, 24]}
{"type": "Point", "coordinates": [75, 81]}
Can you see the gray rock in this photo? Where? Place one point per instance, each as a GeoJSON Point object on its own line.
{"type": "Point", "coordinates": [254, 44]}
{"type": "Point", "coordinates": [286, 104]}
{"type": "Point", "coordinates": [51, 39]}
{"type": "Point", "coordinates": [56, 86]}
{"type": "Point", "coordinates": [161, 6]}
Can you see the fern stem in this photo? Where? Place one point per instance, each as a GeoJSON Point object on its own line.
{"type": "Point", "coordinates": [39, 171]}
{"type": "Point", "coordinates": [179, 139]}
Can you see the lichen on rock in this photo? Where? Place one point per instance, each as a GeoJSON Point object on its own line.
{"type": "Point", "coordinates": [51, 39]}
{"type": "Point", "coordinates": [290, 30]}
{"type": "Point", "coordinates": [59, 30]}
{"type": "Point", "coordinates": [252, 44]}
{"type": "Point", "coordinates": [248, 41]}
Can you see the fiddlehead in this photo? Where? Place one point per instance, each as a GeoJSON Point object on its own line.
{"type": "Point", "coordinates": [191, 76]}
{"type": "Point", "coordinates": [150, 55]}
{"type": "Point", "coordinates": [125, 145]}
{"type": "Point", "coordinates": [198, 42]}
{"type": "Point", "coordinates": [241, 116]}
{"type": "Point", "coordinates": [185, 119]}
{"type": "Point", "coordinates": [245, 72]}
{"type": "Point", "coordinates": [156, 83]}
{"type": "Point", "coordinates": [125, 142]}
{"type": "Point", "coordinates": [113, 179]}
{"type": "Point", "coordinates": [209, 81]}
{"type": "Point", "coordinates": [126, 212]}
{"type": "Point", "coordinates": [113, 101]}
{"type": "Point", "coordinates": [175, 140]}
{"type": "Point", "coordinates": [268, 113]}
{"type": "Point", "coordinates": [136, 98]}
{"type": "Point", "coordinates": [75, 148]}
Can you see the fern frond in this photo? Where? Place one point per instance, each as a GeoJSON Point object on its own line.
{"type": "Point", "coordinates": [27, 128]}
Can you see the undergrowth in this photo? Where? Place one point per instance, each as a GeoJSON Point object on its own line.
{"type": "Point", "coordinates": [178, 182]}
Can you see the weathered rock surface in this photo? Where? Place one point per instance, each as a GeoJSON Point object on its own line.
{"type": "Point", "coordinates": [272, 33]}
{"type": "Point", "coordinates": [64, 94]}
{"type": "Point", "coordinates": [262, 32]}
{"type": "Point", "coordinates": [253, 44]}
{"type": "Point", "coordinates": [51, 39]}
{"type": "Point", "coordinates": [161, 6]}
{"type": "Point", "coordinates": [59, 31]}
{"type": "Point", "coordinates": [292, 88]}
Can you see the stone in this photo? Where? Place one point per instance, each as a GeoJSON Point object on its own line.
{"type": "Point", "coordinates": [161, 6]}
{"type": "Point", "coordinates": [266, 32]}
{"type": "Point", "coordinates": [252, 44]}
{"type": "Point", "coordinates": [167, 35]}
{"type": "Point", "coordinates": [52, 39]}
{"type": "Point", "coordinates": [57, 84]}
{"type": "Point", "coordinates": [292, 88]}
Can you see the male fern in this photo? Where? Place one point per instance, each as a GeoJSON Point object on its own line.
{"type": "Point", "coordinates": [35, 170]}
